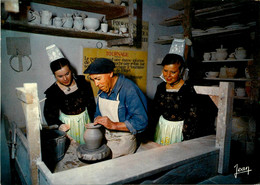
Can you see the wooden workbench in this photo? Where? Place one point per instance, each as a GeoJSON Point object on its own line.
{"type": "Point", "coordinates": [183, 162]}
{"type": "Point", "coordinates": [71, 160]}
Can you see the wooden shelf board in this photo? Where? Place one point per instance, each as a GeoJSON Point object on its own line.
{"type": "Point", "coordinates": [66, 32]}
{"type": "Point", "coordinates": [177, 5]}
{"type": "Point", "coordinates": [221, 32]}
{"type": "Point", "coordinates": [171, 23]}
{"type": "Point", "coordinates": [164, 41]}
{"type": "Point", "coordinates": [237, 60]}
{"type": "Point", "coordinates": [228, 79]}
{"type": "Point", "coordinates": [111, 11]}
{"type": "Point", "coordinates": [241, 98]}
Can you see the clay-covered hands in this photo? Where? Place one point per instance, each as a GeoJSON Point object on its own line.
{"type": "Point", "coordinates": [64, 127]}
{"type": "Point", "coordinates": [106, 122]}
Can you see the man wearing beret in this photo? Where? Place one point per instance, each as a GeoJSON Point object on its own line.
{"type": "Point", "coordinates": [121, 107]}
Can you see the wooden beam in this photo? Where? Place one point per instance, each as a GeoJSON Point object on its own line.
{"type": "Point", "coordinates": [224, 124]}
{"type": "Point", "coordinates": [131, 168]}
{"type": "Point", "coordinates": [23, 96]}
{"type": "Point", "coordinates": [207, 90]}
{"type": "Point", "coordinates": [32, 116]}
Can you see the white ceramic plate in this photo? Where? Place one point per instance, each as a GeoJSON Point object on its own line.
{"type": "Point", "coordinates": [166, 37]}
{"type": "Point", "coordinates": [215, 29]}
{"type": "Point", "coordinates": [177, 36]}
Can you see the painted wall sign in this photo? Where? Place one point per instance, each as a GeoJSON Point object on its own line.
{"type": "Point", "coordinates": [130, 63]}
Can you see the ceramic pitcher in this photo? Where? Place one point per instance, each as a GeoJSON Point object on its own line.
{"type": "Point", "coordinates": [46, 17]}
{"type": "Point", "coordinates": [57, 22]}
{"type": "Point", "coordinates": [34, 17]}
{"type": "Point", "coordinates": [67, 20]}
{"type": "Point", "coordinates": [240, 53]}
{"type": "Point", "coordinates": [78, 23]}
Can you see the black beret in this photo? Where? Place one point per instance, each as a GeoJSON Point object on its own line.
{"type": "Point", "coordinates": [100, 66]}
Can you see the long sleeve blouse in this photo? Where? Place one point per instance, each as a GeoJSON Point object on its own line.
{"type": "Point", "coordinates": [70, 104]}
{"type": "Point", "coordinates": [185, 105]}
{"type": "Point", "coordinates": [132, 108]}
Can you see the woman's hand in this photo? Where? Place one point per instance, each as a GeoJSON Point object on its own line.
{"type": "Point", "coordinates": [64, 127]}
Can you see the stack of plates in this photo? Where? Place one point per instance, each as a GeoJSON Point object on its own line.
{"type": "Point", "coordinates": [177, 36]}
{"type": "Point", "coordinates": [198, 31]}
{"type": "Point", "coordinates": [251, 24]}
{"type": "Point", "coordinates": [235, 26]}
{"type": "Point", "coordinates": [215, 29]}
{"type": "Point", "coordinates": [164, 37]}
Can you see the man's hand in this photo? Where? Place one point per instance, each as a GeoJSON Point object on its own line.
{"type": "Point", "coordinates": [106, 122]}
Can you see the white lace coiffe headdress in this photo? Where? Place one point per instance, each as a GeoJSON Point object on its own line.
{"type": "Point", "coordinates": [54, 53]}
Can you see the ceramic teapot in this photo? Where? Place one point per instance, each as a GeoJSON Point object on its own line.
{"type": "Point", "coordinates": [46, 17]}
{"type": "Point", "coordinates": [34, 17]}
{"type": "Point", "coordinates": [67, 20]}
{"type": "Point", "coordinates": [221, 53]}
{"type": "Point", "coordinates": [240, 53]}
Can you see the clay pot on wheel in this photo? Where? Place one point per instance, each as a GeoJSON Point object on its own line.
{"type": "Point", "coordinates": [93, 136]}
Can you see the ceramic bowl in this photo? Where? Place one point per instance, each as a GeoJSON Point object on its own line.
{"type": "Point", "coordinates": [212, 74]}
{"type": "Point", "coordinates": [92, 24]}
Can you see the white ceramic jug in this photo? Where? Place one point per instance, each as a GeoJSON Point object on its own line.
{"type": "Point", "coordinates": [67, 20]}
{"type": "Point", "coordinates": [46, 17]}
{"type": "Point", "coordinates": [206, 56]}
{"type": "Point", "coordinates": [78, 23]}
{"type": "Point", "coordinates": [34, 17]}
{"type": "Point", "coordinates": [240, 53]}
{"type": "Point", "coordinates": [57, 22]}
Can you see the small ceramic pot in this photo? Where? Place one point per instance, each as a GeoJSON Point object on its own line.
{"type": "Point", "coordinates": [206, 56]}
{"type": "Point", "coordinates": [93, 136]}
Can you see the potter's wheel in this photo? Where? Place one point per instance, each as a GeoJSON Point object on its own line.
{"type": "Point", "coordinates": [98, 154]}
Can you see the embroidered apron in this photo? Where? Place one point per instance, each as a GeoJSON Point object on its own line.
{"type": "Point", "coordinates": [168, 132]}
{"type": "Point", "coordinates": [77, 125]}
{"type": "Point", "coordinates": [120, 143]}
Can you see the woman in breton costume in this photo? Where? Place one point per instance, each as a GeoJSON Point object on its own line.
{"type": "Point", "coordinates": [70, 102]}
{"type": "Point", "coordinates": [176, 110]}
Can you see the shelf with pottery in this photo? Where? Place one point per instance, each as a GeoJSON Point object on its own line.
{"type": "Point", "coordinates": [234, 60]}
{"type": "Point", "coordinates": [112, 11]}
{"type": "Point", "coordinates": [228, 79]}
{"type": "Point", "coordinates": [220, 32]}
{"type": "Point", "coordinates": [67, 32]}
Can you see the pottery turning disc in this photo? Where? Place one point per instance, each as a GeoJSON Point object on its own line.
{"type": "Point", "coordinates": [94, 154]}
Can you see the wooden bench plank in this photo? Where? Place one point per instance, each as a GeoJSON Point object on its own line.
{"type": "Point", "coordinates": [139, 165]}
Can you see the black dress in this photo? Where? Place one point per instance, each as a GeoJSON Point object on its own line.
{"type": "Point", "coordinates": [197, 111]}
{"type": "Point", "coordinates": [70, 104]}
